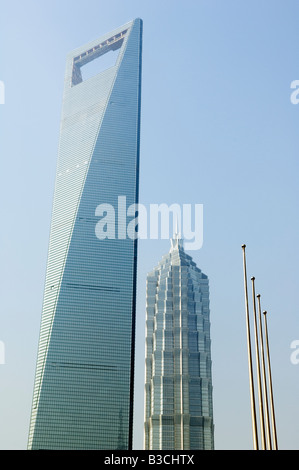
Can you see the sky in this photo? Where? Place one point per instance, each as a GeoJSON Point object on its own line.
{"type": "Point", "coordinates": [218, 128]}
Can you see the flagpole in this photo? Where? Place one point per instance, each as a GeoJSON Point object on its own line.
{"type": "Point", "coordinates": [270, 385]}
{"type": "Point", "coordinates": [251, 384]}
{"type": "Point", "coordinates": [267, 425]}
{"type": "Point", "coordinates": [258, 369]}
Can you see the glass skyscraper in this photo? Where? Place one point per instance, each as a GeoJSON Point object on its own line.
{"type": "Point", "coordinates": [83, 392]}
{"type": "Point", "coordinates": [178, 381]}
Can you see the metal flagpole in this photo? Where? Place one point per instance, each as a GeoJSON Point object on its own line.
{"type": "Point", "coordinates": [251, 384]}
{"type": "Point", "coordinates": [258, 369]}
{"type": "Point", "coordinates": [268, 429]}
{"type": "Point", "coordinates": [270, 385]}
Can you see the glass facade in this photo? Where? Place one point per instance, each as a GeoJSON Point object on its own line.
{"type": "Point", "coordinates": [83, 392]}
{"type": "Point", "coordinates": [178, 380]}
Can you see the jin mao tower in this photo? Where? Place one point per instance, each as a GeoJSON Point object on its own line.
{"type": "Point", "coordinates": [178, 382]}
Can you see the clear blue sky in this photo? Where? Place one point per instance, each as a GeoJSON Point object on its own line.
{"type": "Point", "coordinates": [218, 129]}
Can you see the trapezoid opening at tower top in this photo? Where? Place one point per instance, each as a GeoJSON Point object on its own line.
{"type": "Point", "coordinates": [97, 59]}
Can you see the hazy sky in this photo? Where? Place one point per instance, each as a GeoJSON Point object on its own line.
{"type": "Point", "coordinates": [218, 129]}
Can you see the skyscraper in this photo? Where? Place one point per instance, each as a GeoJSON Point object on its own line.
{"type": "Point", "coordinates": [83, 393]}
{"type": "Point", "coordinates": [178, 381]}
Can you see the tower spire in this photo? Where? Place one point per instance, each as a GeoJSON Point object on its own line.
{"type": "Point", "coordinates": [176, 240]}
